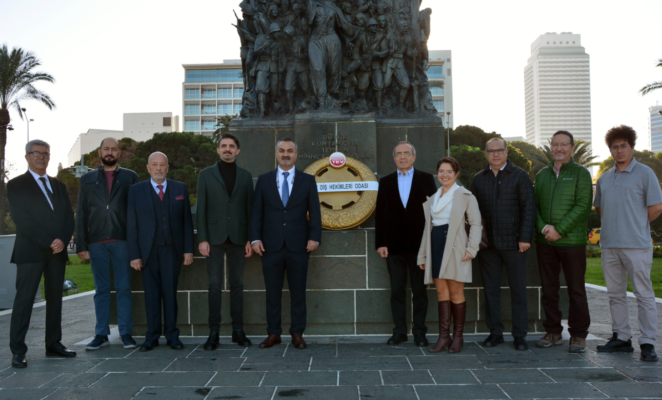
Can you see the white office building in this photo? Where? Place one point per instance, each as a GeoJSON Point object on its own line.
{"type": "Point", "coordinates": [655, 128]}
{"type": "Point", "coordinates": [137, 126]}
{"type": "Point", "coordinates": [557, 88]}
{"type": "Point", "coordinates": [210, 91]}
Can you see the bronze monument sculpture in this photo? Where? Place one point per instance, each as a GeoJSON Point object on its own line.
{"type": "Point", "coordinates": [353, 56]}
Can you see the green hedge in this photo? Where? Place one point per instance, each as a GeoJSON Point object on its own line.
{"type": "Point", "coordinates": [596, 252]}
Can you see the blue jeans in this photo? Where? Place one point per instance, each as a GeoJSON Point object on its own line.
{"type": "Point", "coordinates": [102, 256]}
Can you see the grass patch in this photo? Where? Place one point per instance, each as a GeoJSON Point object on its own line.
{"type": "Point", "coordinates": [79, 272]}
{"type": "Point", "coordinates": [595, 275]}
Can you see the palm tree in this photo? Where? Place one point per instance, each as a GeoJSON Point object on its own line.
{"type": "Point", "coordinates": [583, 155]}
{"type": "Point", "coordinates": [652, 86]}
{"type": "Point", "coordinates": [223, 124]}
{"type": "Point", "coordinates": [17, 79]}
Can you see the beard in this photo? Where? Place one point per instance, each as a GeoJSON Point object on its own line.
{"type": "Point", "coordinates": [109, 162]}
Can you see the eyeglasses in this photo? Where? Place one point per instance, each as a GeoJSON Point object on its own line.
{"type": "Point", "coordinates": [622, 147]}
{"type": "Point", "coordinates": [38, 153]}
{"type": "Point", "coordinates": [495, 151]}
{"type": "Point", "coordinates": [564, 144]}
{"type": "Point", "coordinates": [442, 172]}
{"type": "Point", "coordinates": [406, 154]}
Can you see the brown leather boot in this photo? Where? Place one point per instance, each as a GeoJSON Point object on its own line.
{"type": "Point", "coordinates": [444, 327]}
{"type": "Point", "coordinates": [459, 315]}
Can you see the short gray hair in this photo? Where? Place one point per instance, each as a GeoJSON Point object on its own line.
{"type": "Point", "coordinates": [494, 139]}
{"type": "Point", "coordinates": [413, 149]}
{"type": "Point", "coordinates": [36, 142]}
{"type": "Point", "coordinates": [296, 146]}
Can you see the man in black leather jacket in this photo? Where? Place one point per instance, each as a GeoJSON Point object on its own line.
{"type": "Point", "coordinates": [507, 204]}
{"type": "Point", "coordinates": [101, 237]}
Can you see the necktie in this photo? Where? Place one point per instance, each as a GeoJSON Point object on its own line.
{"type": "Point", "coordinates": [48, 191]}
{"type": "Point", "coordinates": [161, 194]}
{"type": "Point", "coordinates": [286, 189]}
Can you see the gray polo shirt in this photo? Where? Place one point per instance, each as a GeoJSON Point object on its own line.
{"type": "Point", "coordinates": [624, 198]}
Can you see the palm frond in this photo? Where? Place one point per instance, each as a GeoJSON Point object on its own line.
{"type": "Point", "coordinates": [650, 87]}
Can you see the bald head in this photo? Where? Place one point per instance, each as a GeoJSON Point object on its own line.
{"type": "Point", "coordinates": [157, 166]}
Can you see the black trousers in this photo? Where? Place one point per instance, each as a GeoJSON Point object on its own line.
{"type": "Point", "coordinates": [215, 274]}
{"type": "Point", "coordinates": [491, 263]}
{"type": "Point", "coordinates": [551, 259]}
{"type": "Point", "coordinates": [160, 278]}
{"type": "Point", "coordinates": [27, 282]}
{"type": "Point", "coordinates": [398, 267]}
{"type": "Point", "coordinates": [274, 266]}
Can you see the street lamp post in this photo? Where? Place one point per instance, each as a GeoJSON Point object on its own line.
{"type": "Point", "coordinates": [28, 120]}
{"type": "Point", "coordinates": [448, 117]}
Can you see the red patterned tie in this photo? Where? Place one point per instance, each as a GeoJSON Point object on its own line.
{"type": "Point", "coordinates": [161, 194]}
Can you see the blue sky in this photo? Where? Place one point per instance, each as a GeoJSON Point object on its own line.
{"type": "Point", "coordinates": [111, 58]}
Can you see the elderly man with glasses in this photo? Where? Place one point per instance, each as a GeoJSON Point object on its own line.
{"type": "Point", "coordinates": [399, 226]}
{"type": "Point", "coordinates": [508, 206]}
{"type": "Point", "coordinates": [41, 209]}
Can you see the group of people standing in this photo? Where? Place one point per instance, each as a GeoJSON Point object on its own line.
{"type": "Point", "coordinates": [426, 233]}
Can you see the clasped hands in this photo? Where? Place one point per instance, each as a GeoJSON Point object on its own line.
{"type": "Point", "coordinates": [467, 257]}
{"type": "Point", "coordinates": [258, 247]}
{"type": "Point", "coordinates": [551, 234]}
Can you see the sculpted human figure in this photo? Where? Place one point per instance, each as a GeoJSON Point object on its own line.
{"type": "Point", "coordinates": [424, 22]}
{"type": "Point", "coordinates": [270, 63]}
{"type": "Point", "coordinates": [296, 52]}
{"type": "Point", "coordinates": [395, 67]}
{"type": "Point", "coordinates": [324, 48]}
{"type": "Point", "coordinates": [373, 49]}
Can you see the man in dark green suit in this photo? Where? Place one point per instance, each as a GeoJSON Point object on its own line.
{"type": "Point", "coordinates": [225, 200]}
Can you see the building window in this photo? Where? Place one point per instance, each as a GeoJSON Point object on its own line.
{"type": "Point", "coordinates": [191, 125]}
{"type": "Point", "coordinates": [437, 91]}
{"type": "Point", "coordinates": [237, 108]}
{"type": "Point", "coordinates": [439, 105]}
{"type": "Point", "coordinates": [449, 72]}
{"type": "Point", "coordinates": [167, 121]}
{"type": "Point", "coordinates": [208, 125]}
{"type": "Point", "coordinates": [435, 72]}
{"type": "Point", "coordinates": [208, 93]}
{"type": "Point", "coordinates": [238, 92]}
{"type": "Point", "coordinates": [192, 109]}
{"type": "Point", "coordinates": [192, 94]}
{"type": "Point", "coordinates": [225, 108]}
{"type": "Point", "coordinates": [213, 75]}
{"type": "Point", "coordinates": [224, 93]}
{"type": "Point", "coordinates": [209, 109]}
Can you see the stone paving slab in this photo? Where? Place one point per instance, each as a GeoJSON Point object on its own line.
{"type": "Point", "coordinates": [550, 390]}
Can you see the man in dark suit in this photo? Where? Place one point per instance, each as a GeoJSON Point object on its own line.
{"type": "Point", "coordinates": [160, 236]}
{"type": "Point", "coordinates": [282, 235]}
{"type": "Point", "coordinates": [41, 209]}
{"type": "Point", "coordinates": [399, 228]}
{"type": "Point", "coordinates": [225, 200]}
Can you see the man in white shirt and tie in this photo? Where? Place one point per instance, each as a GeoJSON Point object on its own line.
{"type": "Point", "coordinates": [283, 236]}
{"type": "Point", "coordinates": [41, 209]}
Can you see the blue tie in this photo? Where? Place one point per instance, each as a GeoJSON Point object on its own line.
{"type": "Point", "coordinates": [286, 189]}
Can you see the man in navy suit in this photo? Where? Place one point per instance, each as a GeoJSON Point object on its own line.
{"type": "Point", "coordinates": [160, 237]}
{"type": "Point", "coordinates": [282, 235]}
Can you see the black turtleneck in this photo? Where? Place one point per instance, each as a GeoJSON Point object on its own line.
{"type": "Point", "coordinates": [229, 174]}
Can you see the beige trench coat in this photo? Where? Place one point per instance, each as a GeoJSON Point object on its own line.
{"type": "Point", "coordinates": [452, 266]}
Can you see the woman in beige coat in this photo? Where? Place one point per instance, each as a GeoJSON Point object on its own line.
{"type": "Point", "coordinates": [446, 251]}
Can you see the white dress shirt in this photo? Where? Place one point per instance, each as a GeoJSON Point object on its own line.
{"type": "Point", "coordinates": [154, 184]}
{"type": "Point", "coordinates": [404, 185]}
{"type": "Point", "coordinates": [280, 180]}
{"type": "Point", "coordinates": [41, 185]}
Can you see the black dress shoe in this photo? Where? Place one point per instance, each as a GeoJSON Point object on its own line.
{"type": "Point", "coordinates": [148, 345]}
{"type": "Point", "coordinates": [493, 340]}
{"type": "Point", "coordinates": [616, 345]}
{"type": "Point", "coordinates": [520, 344]}
{"type": "Point", "coordinates": [58, 350]}
{"type": "Point", "coordinates": [175, 344]}
{"type": "Point", "coordinates": [397, 339]}
{"type": "Point", "coordinates": [212, 342]}
{"type": "Point", "coordinates": [648, 352]}
{"type": "Point", "coordinates": [239, 337]}
{"type": "Point", "coordinates": [420, 340]}
{"type": "Point", "coordinates": [19, 361]}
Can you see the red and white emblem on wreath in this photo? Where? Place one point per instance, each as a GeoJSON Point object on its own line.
{"type": "Point", "coordinates": [337, 160]}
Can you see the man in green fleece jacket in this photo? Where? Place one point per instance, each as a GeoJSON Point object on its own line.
{"type": "Point", "coordinates": [563, 199]}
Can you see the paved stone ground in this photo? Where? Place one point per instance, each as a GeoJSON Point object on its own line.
{"type": "Point", "coordinates": [331, 368]}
